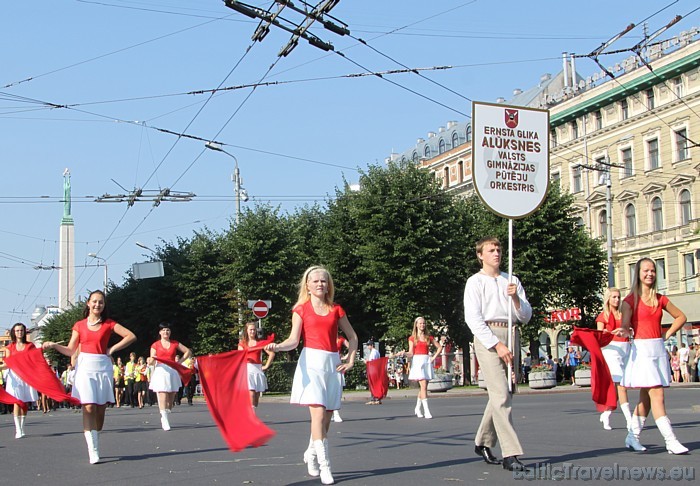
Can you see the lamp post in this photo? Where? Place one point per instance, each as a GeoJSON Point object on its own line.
{"type": "Point", "coordinates": [141, 245]}
{"type": "Point", "coordinates": [96, 257]}
{"type": "Point", "coordinates": [609, 235]}
{"type": "Point", "coordinates": [240, 193]}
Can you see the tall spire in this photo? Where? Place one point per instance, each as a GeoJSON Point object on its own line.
{"type": "Point", "coordinates": [67, 216]}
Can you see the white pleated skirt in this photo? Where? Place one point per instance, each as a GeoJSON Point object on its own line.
{"type": "Point", "coordinates": [615, 355]}
{"type": "Point", "coordinates": [647, 365]}
{"type": "Point", "coordinates": [256, 378]}
{"type": "Point", "coordinates": [165, 379]}
{"type": "Point", "coordinates": [94, 380]}
{"type": "Point", "coordinates": [16, 387]}
{"type": "Point", "coordinates": [316, 381]}
{"type": "Point", "coordinates": [421, 368]}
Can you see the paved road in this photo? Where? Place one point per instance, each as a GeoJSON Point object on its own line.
{"type": "Point", "coordinates": [374, 445]}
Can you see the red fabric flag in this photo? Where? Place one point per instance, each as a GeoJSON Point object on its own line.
{"type": "Point", "coordinates": [224, 379]}
{"type": "Point", "coordinates": [8, 399]}
{"type": "Point", "coordinates": [377, 377]}
{"type": "Point", "coordinates": [32, 368]}
{"type": "Point", "coordinates": [602, 387]}
{"type": "Point", "coordinates": [184, 372]}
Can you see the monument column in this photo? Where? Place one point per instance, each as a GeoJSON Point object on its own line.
{"type": "Point", "coordinates": [66, 273]}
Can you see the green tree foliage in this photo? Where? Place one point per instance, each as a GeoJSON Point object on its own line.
{"type": "Point", "coordinates": [58, 330]}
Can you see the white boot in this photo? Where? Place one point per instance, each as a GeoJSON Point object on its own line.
{"type": "Point", "coordinates": [424, 402]}
{"type": "Point", "coordinates": [18, 427]}
{"type": "Point", "coordinates": [419, 414]}
{"type": "Point", "coordinates": [21, 424]}
{"type": "Point", "coordinates": [336, 416]}
{"type": "Point", "coordinates": [324, 463]}
{"type": "Point", "coordinates": [625, 407]}
{"type": "Point", "coordinates": [605, 419]}
{"type": "Point", "coordinates": [672, 444]}
{"type": "Point", "coordinates": [92, 451]}
{"type": "Point", "coordinates": [632, 440]}
{"type": "Point", "coordinates": [96, 442]}
{"type": "Point", "coordinates": [164, 422]}
{"type": "Point", "coordinates": [311, 460]}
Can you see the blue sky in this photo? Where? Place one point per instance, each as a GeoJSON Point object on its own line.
{"type": "Point", "coordinates": [123, 68]}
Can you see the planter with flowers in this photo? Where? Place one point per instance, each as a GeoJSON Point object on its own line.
{"type": "Point", "coordinates": [442, 381]}
{"type": "Point", "coordinates": [542, 377]}
{"type": "Point", "coordinates": [582, 375]}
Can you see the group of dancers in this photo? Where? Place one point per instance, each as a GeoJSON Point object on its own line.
{"type": "Point", "coordinates": [491, 299]}
{"type": "Point", "coordinates": [637, 357]}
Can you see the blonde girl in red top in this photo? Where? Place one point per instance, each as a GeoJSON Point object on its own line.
{"type": "Point", "coordinates": [165, 381]}
{"type": "Point", "coordinates": [317, 379]}
{"type": "Point", "coordinates": [15, 386]}
{"type": "Point", "coordinates": [257, 382]}
{"type": "Point", "coordinates": [614, 353]}
{"type": "Point", "coordinates": [422, 363]}
{"type": "Point", "coordinates": [647, 367]}
{"type": "Point", "coordinates": [94, 385]}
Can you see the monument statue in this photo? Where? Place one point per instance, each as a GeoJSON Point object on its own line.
{"type": "Point", "coordinates": [66, 196]}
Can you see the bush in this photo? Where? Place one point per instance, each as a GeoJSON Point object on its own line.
{"type": "Point", "coordinates": [280, 375]}
{"type": "Point", "coordinates": [356, 376]}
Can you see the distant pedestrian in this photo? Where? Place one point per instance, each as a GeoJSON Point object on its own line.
{"type": "Point", "coordinates": [317, 379]}
{"type": "Point", "coordinates": [419, 343]}
{"type": "Point", "coordinates": [257, 382]}
{"type": "Point", "coordinates": [373, 353]}
{"type": "Point", "coordinates": [93, 378]}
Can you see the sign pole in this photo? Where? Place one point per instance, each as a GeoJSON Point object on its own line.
{"type": "Point", "coordinates": [510, 304]}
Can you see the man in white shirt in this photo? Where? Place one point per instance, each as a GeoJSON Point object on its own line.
{"type": "Point", "coordinates": [684, 354]}
{"type": "Point", "coordinates": [487, 296]}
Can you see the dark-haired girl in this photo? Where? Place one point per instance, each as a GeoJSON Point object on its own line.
{"type": "Point", "coordinates": [15, 385]}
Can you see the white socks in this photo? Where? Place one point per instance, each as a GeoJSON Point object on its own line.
{"type": "Point", "coordinates": [625, 407]}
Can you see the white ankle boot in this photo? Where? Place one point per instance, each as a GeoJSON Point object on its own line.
{"type": "Point", "coordinates": [427, 413]}
{"type": "Point", "coordinates": [18, 427]}
{"type": "Point", "coordinates": [164, 421]}
{"type": "Point", "coordinates": [632, 440]}
{"type": "Point", "coordinates": [311, 460]}
{"type": "Point", "coordinates": [672, 444]}
{"type": "Point", "coordinates": [92, 441]}
{"type": "Point", "coordinates": [336, 416]}
{"type": "Point", "coordinates": [605, 419]}
{"type": "Point", "coordinates": [324, 462]}
{"type": "Point", "coordinates": [419, 414]}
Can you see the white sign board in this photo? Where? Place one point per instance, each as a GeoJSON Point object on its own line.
{"type": "Point", "coordinates": [510, 157]}
{"type": "Point", "coordinates": [147, 270]}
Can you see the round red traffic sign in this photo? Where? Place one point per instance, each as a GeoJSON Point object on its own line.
{"type": "Point", "coordinates": [260, 309]}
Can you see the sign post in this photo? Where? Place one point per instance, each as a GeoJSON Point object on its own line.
{"type": "Point", "coordinates": [260, 309]}
{"type": "Point", "coordinates": [510, 168]}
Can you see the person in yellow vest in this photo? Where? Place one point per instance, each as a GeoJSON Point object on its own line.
{"type": "Point", "coordinates": [129, 380]}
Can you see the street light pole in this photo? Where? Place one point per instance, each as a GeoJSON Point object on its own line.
{"type": "Point", "coordinates": [237, 189]}
{"type": "Point", "coordinates": [96, 257]}
{"type": "Point", "coordinates": [608, 212]}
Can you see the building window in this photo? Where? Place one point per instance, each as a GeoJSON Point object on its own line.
{"type": "Point", "coordinates": [630, 272]}
{"type": "Point", "coordinates": [598, 120]}
{"type": "Point", "coordinates": [678, 86]}
{"type": "Point", "coordinates": [631, 220]}
{"type": "Point", "coordinates": [460, 168]}
{"type": "Point", "coordinates": [415, 158]}
{"type": "Point", "coordinates": [626, 156]}
{"type": "Point", "coordinates": [599, 163]}
{"type": "Point", "coordinates": [579, 222]}
{"type": "Point", "coordinates": [441, 146]}
{"type": "Point", "coordinates": [624, 109]}
{"type": "Point", "coordinates": [574, 130]}
{"type": "Point", "coordinates": [556, 178]}
{"type": "Point", "coordinates": [469, 133]}
{"type": "Point", "coordinates": [650, 98]}
{"type": "Point", "coordinates": [603, 223]}
{"type": "Point", "coordinates": [446, 172]}
{"type": "Point", "coordinates": [653, 153]}
{"type": "Point", "coordinates": [553, 136]}
{"type": "Point", "coordinates": [426, 152]}
{"type": "Point", "coordinates": [657, 214]}
{"type": "Point", "coordinates": [576, 179]}
{"type": "Point", "coordinates": [686, 214]}
{"type": "Point", "coordinates": [455, 139]}
{"type": "Point", "coordinates": [681, 144]}
{"type": "Point", "coordinates": [689, 272]}
{"type": "Point", "coordinates": [661, 274]}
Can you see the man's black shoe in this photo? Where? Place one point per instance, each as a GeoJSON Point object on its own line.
{"type": "Point", "coordinates": [486, 454]}
{"type": "Point", "coordinates": [511, 463]}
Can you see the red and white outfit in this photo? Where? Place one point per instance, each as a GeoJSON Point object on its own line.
{"type": "Point", "coordinates": [164, 378]}
{"type": "Point", "coordinates": [616, 352]}
{"type": "Point", "coordinates": [316, 381]}
{"type": "Point", "coordinates": [94, 378]}
{"type": "Point", "coordinates": [14, 385]}
{"type": "Point", "coordinates": [421, 367]}
{"type": "Point", "coordinates": [256, 377]}
{"type": "Point", "coordinates": [647, 365]}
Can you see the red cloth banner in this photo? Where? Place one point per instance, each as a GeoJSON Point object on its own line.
{"type": "Point", "coordinates": [184, 372]}
{"type": "Point", "coordinates": [8, 399]}
{"type": "Point", "coordinates": [602, 387]}
{"type": "Point", "coordinates": [32, 368]}
{"type": "Point", "coordinates": [224, 379]}
{"type": "Point", "coordinates": [377, 377]}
